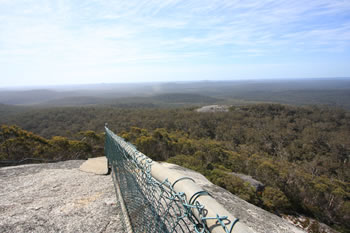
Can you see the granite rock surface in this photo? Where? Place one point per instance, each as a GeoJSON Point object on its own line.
{"type": "Point", "coordinates": [57, 197]}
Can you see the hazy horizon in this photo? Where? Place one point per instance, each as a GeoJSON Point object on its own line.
{"type": "Point", "coordinates": [84, 85]}
{"type": "Point", "coordinates": [65, 42]}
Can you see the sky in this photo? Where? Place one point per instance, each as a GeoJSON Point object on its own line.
{"type": "Point", "coordinates": [50, 42]}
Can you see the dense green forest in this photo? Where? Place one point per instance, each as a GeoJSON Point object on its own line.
{"type": "Point", "coordinates": [20, 146]}
{"type": "Point", "coordinates": [301, 154]}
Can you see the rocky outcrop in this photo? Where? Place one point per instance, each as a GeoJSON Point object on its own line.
{"type": "Point", "coordinates": [214, 108]}
{"type": "Point", "coordinates": [98, 166]}
{"type": "Point", "coordinates": [57, 197]}
{"type": "Point", "coordinates": [257, 185]}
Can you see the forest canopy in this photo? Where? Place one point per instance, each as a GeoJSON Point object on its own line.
{"type": "Point", "coordinates": [300, 154]}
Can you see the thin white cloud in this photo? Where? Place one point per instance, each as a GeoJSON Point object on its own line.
{"type": "Point", "coordinates": [105, 32]}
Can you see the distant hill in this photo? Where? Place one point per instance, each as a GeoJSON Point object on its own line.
{"type": "Point", "coordinates": [331, 97]}
{"type": "Point", "coordinates": [76, 101]}
{"type": "Point", "coordinates": [31, 97]}
{"type": "Point", "coordinates": [6, 110]}
{"type": "Point", "coordinates": [184, 98]}
{"type": "Point", "coordinates": [332, 92]}
{"type": "Point", "coordinates": [151, 101]}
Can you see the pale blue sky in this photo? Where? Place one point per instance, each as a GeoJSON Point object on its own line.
{"type": "Point", "coordinates": [44, 42]}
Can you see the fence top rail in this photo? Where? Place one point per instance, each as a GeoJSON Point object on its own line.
{"type": "Point", "coordinates": [211, 215]}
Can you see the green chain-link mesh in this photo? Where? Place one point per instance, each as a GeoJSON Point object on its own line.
{"type": "Point", "coordinates": [152, 206]}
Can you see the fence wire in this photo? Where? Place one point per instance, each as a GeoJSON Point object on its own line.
{"type": "Point", "coordinates": [152, 206]}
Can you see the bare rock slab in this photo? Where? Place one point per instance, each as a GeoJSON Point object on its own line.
{"type": "Point", "coordinates": [98, 166]}
{"type": "Point", "coordinates": [57, 197]}
{"type": "Point", "coordinates": [214, 108]}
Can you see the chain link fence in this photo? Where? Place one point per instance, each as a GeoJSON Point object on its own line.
{"type": "Point", "coordinates": [152, 206]}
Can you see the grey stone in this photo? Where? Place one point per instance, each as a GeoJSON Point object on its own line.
{"type": "Point", "coordinates": [258, 186]}
{"type": "Point", "coordinates": [214, 108]}
{"type": "Point", "coordinates": [57, 197]}
{"type": "Point", "coordinates": [98, 166]}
